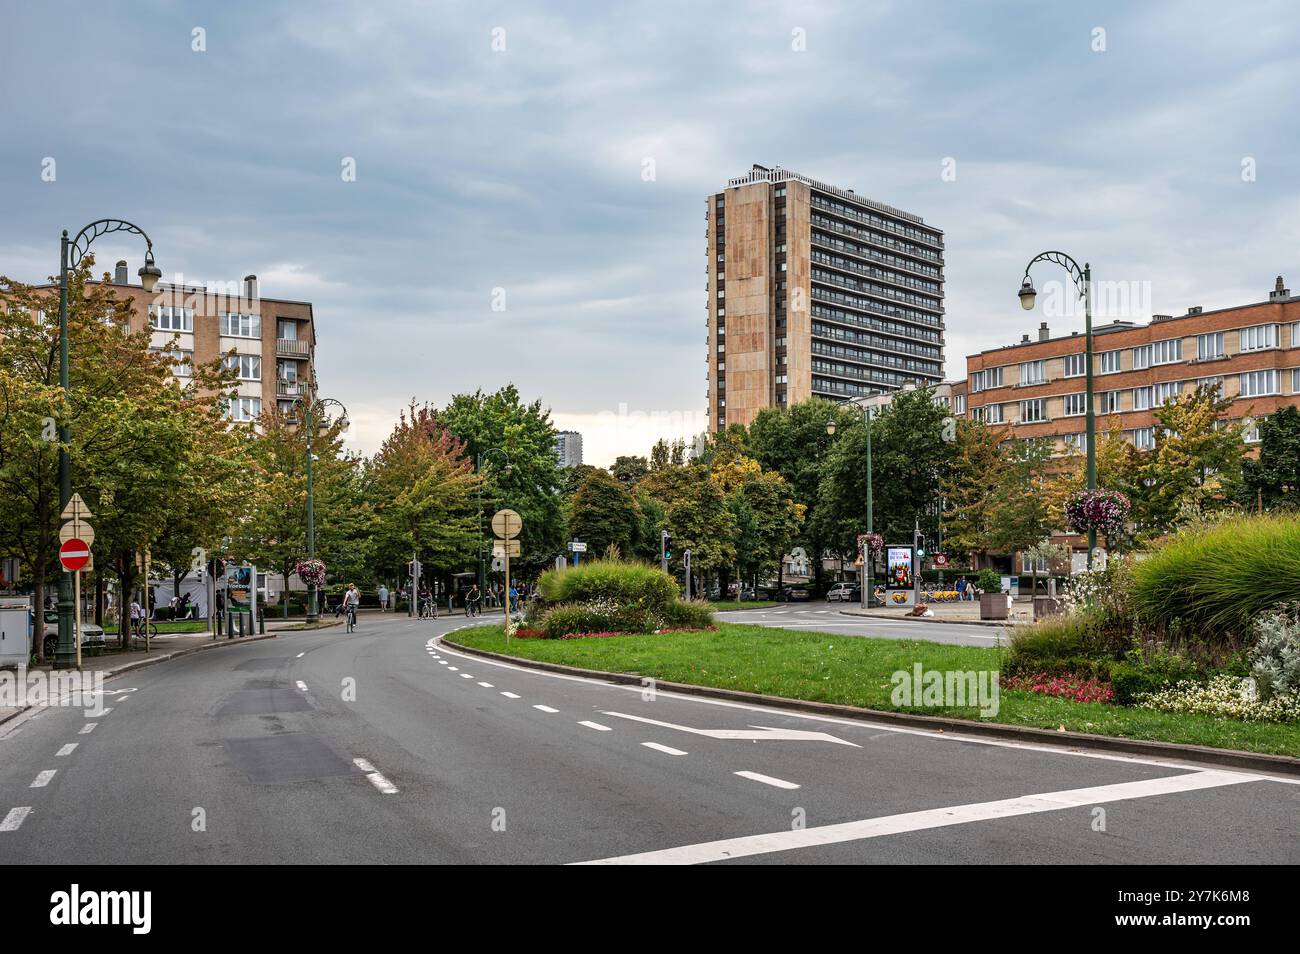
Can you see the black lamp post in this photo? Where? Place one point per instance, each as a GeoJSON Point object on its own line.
{"type": "Point", "coordinates": [309, 407]}
{"type": "Point", "coordinates": [871, 525]}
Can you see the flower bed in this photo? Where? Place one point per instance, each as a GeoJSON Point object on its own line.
{"type": "Point", "coordinates": [1068, 686]}
{"type": "Point", "coordinates": [658, 632]}
{"type": "Point", "coordinates": [1224, 696]}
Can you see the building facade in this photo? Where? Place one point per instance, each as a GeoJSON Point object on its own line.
{"type": "Point", "coordinates": [568, 448]}
{"type": "Point", "coordinates": [1251, 352]}
{"type": "Point", "coordinates": [816, 291]}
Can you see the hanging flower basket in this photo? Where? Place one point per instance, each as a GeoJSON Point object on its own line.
{"type": "Point", "coordinates": [873, 542]}
{"type": "Point", "coordinates": [311, 572]}
{"type": "Point", "coordinates": [1106, 511]}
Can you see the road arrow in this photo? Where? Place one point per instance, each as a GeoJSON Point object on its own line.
{"type": "Point", "coordinates": [753, 733]}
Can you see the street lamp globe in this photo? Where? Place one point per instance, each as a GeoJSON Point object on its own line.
{"type": "Point", "coordinates": [149, 273]}
{"type": "Point", "coordinates": [1027, 294]}
{"type": "Point", "coordinates": [344, 424]}
{"type": "Point", "coordinates": [830, 427]}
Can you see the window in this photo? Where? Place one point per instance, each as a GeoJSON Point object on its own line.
{"type": "Point", "coordinates": [1141, 357]}
{"type": "Point", "coordinates": [1111, 363]}
{"type": "Point", "coordinates": [240, 326]}
{"type": "Point", "coordinates": [988, 378]}
{"type": "Point", "coordinates": [1076, 404]}
{"type": "Point", "coordinates": [286, 329]}
{"type": "Point", "coordinates": [1295, 380]}
{"type": "Point", "coordinates": [1209, 346]}
{"type": "Point", "coordinates": [959, 400]}
{"type": "Point", "coordinates": [1215, 382]}
{"type": "Point", "coordinates": [1032, 412]}
{"type": "Point", "coordinates": [1167, 351]}
{"type": "Point", "coordinates": [1142, 398]}
{"type": "Point", "coordinates": [171, 318]}
{"type": "Point", "coordinates": [722, 346]}
{"type": "Point", "coordinates": [1075, 366]}
{"type": "Point", "coordinates": [249, 366]}
{"type": "Point", "coordinates": [1251, 434]}
{"type": "Point", "coordinates": [1144, 438]}
{"type": "Point", "coordinates": [1033, 372]}
{"type": "Point", "coordinates": [182, 361]}
{"type": "Point", "coordinates": [993, 414]}
{"type": "Point", "coordinates": [1168, 391]}
{"type": "Point", "coordinates": [1029, 565]}
{"type": "Point", "coordinates": [1110, 402]}
{"type": "Point", "coordinates": [287, 371]}
{"type": "Point", "coordinates": [1257, 383]}
{"type": "Point", "coordinates": [1295, 334]}
{"type": "Point", "coordinates": [1078, 442]}
{"type": "Point", "coordinates": [1259, 337]}
{"type": "Point", "coordinates": [244, 408]}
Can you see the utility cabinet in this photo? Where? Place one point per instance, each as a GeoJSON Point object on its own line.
{"type": "Point", "coordinates": [15, 632]}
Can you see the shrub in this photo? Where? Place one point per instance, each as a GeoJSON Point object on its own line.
{"type": "Point", "coordinates": [1275, 657]}
{"type": "Point", "coordinates": [989, 580]}
{"type": "Point", "coordinates": [1131, 681]}
{"type": "Point", "coordinates": [1226, 697]}
{"type": "Point", "coordinates": [683, 614]}
{"type": "Point", "coordinates": [625, 583]}
{"type": "Point", "coordinates": [598, 616]}
{"type": "Point", "coordinates": [1218, 580]}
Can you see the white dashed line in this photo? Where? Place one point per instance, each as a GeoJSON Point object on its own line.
{"type": "Point", "coordinates": [453, 668]}
{"type": "Point", "coordinates": [597, 726]}
{"type": "Point", "coordinates": [15, 818]}
{"type": "Point", "coordinates": [442, 662]}
{"type": "Point", "coordinates": [106, 710]}
{"type": "Point", "coordinates": [666, 749]}
{"type": "Point", "coordinates": [302, 685]}
{"type": "Point", "coordinates": [767, 780]}
{"type": "Point", "coordinates": [509, 695]}
{"type": "Point", "coordinates": [466, 675]}
{"type": "Point", "coordinates": [486, 685]}
{"type": "Point", "coordinates": [88, 728]}
{"type": "Point", "coordinates": [546, 709]}
{"type": "Point", "coordinates": [376, 779]}
{"type": "Point", "coordinates": [43, 779]}
{"type": "Point", "coordinates": [300, 655]}
{"type": "Point", "coordinates": [67, 749]}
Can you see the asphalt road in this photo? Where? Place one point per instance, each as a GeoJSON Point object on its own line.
{"type": "Point", "coordinates": [827, 618]}
{"type": "Point", "coordinates": [386, 746]}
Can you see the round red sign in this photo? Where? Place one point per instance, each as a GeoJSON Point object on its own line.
{"type": "Point", "coordinates": [74, 554]}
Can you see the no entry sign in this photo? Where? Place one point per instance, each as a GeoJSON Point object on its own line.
{"type": "Point", "coordinates": [74, 554]}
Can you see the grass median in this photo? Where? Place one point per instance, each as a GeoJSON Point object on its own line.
{"type": "Point", "coordinates": [857, 671]}
{"type": "Point", "coordinates": [722, 606]}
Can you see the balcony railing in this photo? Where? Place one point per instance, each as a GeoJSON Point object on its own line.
{"type": "Point", "coordinates": [292, 348]}
{"type": "Point", "coordinates": [290, 388]}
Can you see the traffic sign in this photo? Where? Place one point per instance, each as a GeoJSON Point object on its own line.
{"type": "Point", "coordinates": [77, 530]}
{"type": "Point", "coordinates": [74, 555]}
{"type": "Point", "coordinates": [577, 546]}
{"type": "Point", "coordinates": [506, 547]}
{"type": "Point", "coordinates": [941, 559]}
{"type": "Point", "coordinates": [507, 524]}
{"type": "Point", "coordinates": [76, 509]}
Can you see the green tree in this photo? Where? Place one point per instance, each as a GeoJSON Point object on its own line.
{"type": "Point", "coordinates": [969, 488]}
{"type": "Point", "coordinates": [768, 520]}
{"type": "Point", "coordinates": [629, 470]}
{"type": "Point", "coordinates": [1273, 480]}
{"type": "Point", "coordinates": [603, 514]}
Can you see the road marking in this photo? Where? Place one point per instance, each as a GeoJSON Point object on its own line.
{"type": "Point", "coordinates": [66, 750]}
{"type": "Point", "coordinates": [932, 818]}
{"type": "Point", "coordinates": [302, 685]}
{"type": "Point", "coordinates": [43, 778]}
{"type": "Point", "coordinates": [766, 779]}
{"type": "Point", "coordinates": [88, 728]}
{"type": "Point", "coordinates": [753, 733]}
{"type": "Point", "coordinates": [486, 685]}
{"type": "Point", "coordinates": [509, 695]}
{"type": "Point", "coordinates": [106, 710]}
{"type": "Point", "coordinates": [666, 749]}
{"type": "Point", "coordinates": [376, 779]}
{"type": "Point", "coordinates": [466, 675]}
{"type": "Point", "coordinates": [597, 726]}
{"type": "Point", "coordinates": [15, 818]}
{"type": "Point", "coordinates": [300, 655]}
{"type": "Point", "coordinates": [442, 662]}
{"type": "Point", "coordinates": [453, 668]}
{"type": "Point", "coordinates": [546, 709]}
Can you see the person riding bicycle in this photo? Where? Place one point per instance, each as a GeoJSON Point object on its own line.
{"type": "Point", "coordinates": [472, 607]}
{"type": "Point", "coordinates": [351, 600]}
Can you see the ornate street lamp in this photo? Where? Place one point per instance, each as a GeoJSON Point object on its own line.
{"type": "Point", "coordinates": [309, 411]}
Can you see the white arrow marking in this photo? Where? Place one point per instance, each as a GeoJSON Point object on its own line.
{"type": "Point", "coordinates": [754, 732]}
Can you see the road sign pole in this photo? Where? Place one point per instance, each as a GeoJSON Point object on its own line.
{"type": "Point", "coordinates": [509, 608]}
{"type": "Point", "coordinates": [76, 609]}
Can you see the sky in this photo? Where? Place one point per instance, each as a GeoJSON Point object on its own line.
{"type": "Point", "coordinates": [529, 186]}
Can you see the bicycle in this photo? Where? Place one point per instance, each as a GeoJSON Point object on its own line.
{"type": "Point", "coordinates": [352, 617]}
{"type": "Point", "coordinates": [472, 609]}
{"type": "Point", "coordinates": [429, 609]}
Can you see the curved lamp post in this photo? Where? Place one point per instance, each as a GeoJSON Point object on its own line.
{"type": "Point", "coordinates": [1082, 278]}
{"type": "Point", "coordinates": [831, 425]}
{"type": "Point", "coordinates": [70, 255]}
{"type": "Point", "coordinates": [485, 455]}
{"type": "Point", "coordinates": [310, 408]}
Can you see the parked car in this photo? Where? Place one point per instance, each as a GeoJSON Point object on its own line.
{"type": "Point", "coordinates": [844, 593]}
{"type": "Point", "coordinates": [91, 634]}
{"type": "Point", "coordinates": [792, 594]}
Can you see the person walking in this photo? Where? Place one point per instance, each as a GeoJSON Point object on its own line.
{"type": "Point", "coordinates": [137, 616]}
{"type": "Point", "coordinates": [383, 598]}
{"type": "Point", "coordinates": [961, 589]}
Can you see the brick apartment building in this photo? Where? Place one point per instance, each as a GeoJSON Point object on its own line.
{"type": "Point", "coordinates": [1252, 352]}
{"type": "Point", "coordinates": [816, 291]}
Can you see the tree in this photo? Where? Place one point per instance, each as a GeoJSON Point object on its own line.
{"type": "Point", "coordinates": [532, 484]}
{"type": "Point", "coordinates": [629, 470]}
{"type": "Point", "coordinates": [1273, 480]}
{"type": "Point", "coordinates": [969, 488]}
{"type": "Point", "coordinates": [767, 521]}
{"type": "Point", "coordinates": [603, 514]}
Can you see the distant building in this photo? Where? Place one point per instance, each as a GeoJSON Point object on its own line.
{"type": "Point", "coordinates": [568, 448]}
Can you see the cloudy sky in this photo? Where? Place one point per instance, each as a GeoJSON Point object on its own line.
{"type": "Point", "coordinates": [1157, 140]}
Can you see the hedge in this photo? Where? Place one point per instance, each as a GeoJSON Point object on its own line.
{"type": "Point", "coordinates": [623, 582]}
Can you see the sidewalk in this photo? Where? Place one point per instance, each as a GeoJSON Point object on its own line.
{"type": "Point", "coordinates": [967, 612]}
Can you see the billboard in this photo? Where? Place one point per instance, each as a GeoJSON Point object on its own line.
{"type": "Point", "coordinates": [241, 589]}
{"type": "Point", "coordinates": [900, 576]}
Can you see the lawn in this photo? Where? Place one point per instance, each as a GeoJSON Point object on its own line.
{"type": "Point", "coordinates": [856, 671]}
{"type": "Point", "coordinates": [180, 626]}
{"type": "Point", "coordinates": [722, 606]}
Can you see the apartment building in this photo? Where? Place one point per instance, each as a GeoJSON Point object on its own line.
{"type": "Point", "coordinates": [816, 291]}
{"type": "Point", "coordinates": [269, 342]}
{"type": "Point", "coordinates": [568, 448]}
{"type": "Point", "coordinates": [1250, 352]}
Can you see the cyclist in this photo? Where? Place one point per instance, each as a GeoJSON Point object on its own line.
{"type": "Point", "coordinates": [472, 607]}
{"type": "Point", "coordinates": [350, 600]}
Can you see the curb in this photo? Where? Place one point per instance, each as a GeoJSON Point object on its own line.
{"type": "Point", "coordinates": [933, 619]}
{"type": "Point", "coordinates": [1231, 758]}
{"type": "Point", "coordinates": [151, 661]}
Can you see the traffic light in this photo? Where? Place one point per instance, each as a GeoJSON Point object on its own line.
{"type": "Point", "coordinates": [665, 552]}
{"type": "Point", "coordinates": [919, 543]}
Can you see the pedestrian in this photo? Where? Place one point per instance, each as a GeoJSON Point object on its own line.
{"type": "Point", "coordinates": [961, 589]}
{"type": "Point", "coordinates": [514, 597]}
{"type": "Point", "coordinates": [137, 616]}
{"type": "Point", "coordinates": [383, 598]}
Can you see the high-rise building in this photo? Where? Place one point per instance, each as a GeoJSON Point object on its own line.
{"type": "Point", "coordinates": [816, 291]}
{"type": "Point", "coordinates": [568, 448]}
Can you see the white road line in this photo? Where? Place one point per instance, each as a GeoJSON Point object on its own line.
{"type": "Point", "coordinates": [546, 709]}
{"type": "Point", "coordinates": [67, 749]}
{"type": "Point", "coordinates": [509, 695]}
{"type": "Point", "coordinates": [106, 710]}
{"type": "Point", "coordinates": [302, 685]}
{"type": "Point", "coordinates": [300, 655]}
{"type": "Point", "coordinates": [376, 779]}
{"type": "Point", "coordinates": [666, 749]}
{"type": "Point", "coordinates": [88, 728]}
{"type": "Point", "coordinates": [15, 818]}
{"type": "Point", "coordinates": [43, 778]}
{"type": "Point", "coordinates": [453, 668]}
{"type": "Point", "coordinates": [466, 675]}
{"type": "Point", "coordinates": [932, 818]}
{"type": "Point", "coordinates": [766, 779]}
{"type": "Point", "coordinates": [442, 662]}
{"type": "Point", "coordinates": [486, 685]}
{"type": "Point", "coordinates": [597, 726]}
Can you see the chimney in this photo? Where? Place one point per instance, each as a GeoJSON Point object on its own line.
{"type": "Point", "coordinates": [1194, 310]}
{"type": "Point", "coordinates": [1043, 333]}
{"type": "Point", "coordinates": [250, 287]}
{"type": "Point", "coordinates": [120, 276]}
{"type": "Point", "coordinates": [1167, 317]}
{"type": "Point", "coordinates": [1024, 339]}
{"type": "Point", "coordinates": [1279, 293]}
